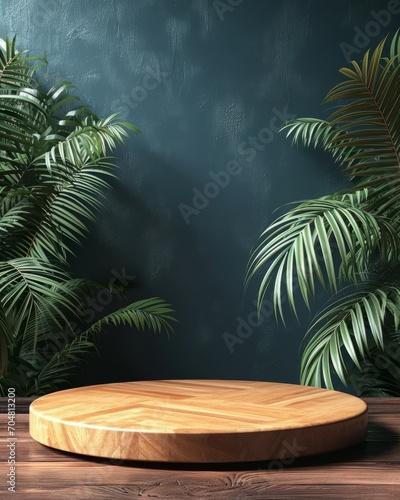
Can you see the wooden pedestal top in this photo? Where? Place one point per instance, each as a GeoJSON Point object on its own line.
{"type": "Point", "coordinates": [198, 420]}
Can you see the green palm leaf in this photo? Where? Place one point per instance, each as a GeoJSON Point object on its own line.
{"type": "Point", "coordinates": [58, 369]}
{"type": "Point", "coordinates": [154, 314]}
{"type": "Point", "coordinates": [348, 329]}
{"type": "Point", "coordinates": [55, 168]}
{"type": "Point", "coordinates": [343, 237]}
{"type": "Point", "coordinates": [364, 133]}
{"type": "Point", "coordinates": [30, 288]}
{"type": "Point", "coordinates": [304, 242]}
{"type": "Point", "coordinates": [379, 375]}
{"type": "Point", "coordinates": [5, 339]}
{"type": "Point", "coordinates": [69, 206]}
{"type": "Point", "coordinates": [371, 119]}
{"type": "Point", "coordinates": [314, 132]}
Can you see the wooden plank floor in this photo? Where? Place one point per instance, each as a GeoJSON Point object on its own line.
{"type": "Point", "coordinates": [369, 470]}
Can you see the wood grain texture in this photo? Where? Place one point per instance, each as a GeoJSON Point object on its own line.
{"type": "Point", "coordinates": [368, 470]}
{"type": "Point", "coordinates": [197, 421]}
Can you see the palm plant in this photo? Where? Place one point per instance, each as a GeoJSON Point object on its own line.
{"type": "Point", "coordinates": [54, 169]}
{"type": "Point", "coordinates": [347, 242]}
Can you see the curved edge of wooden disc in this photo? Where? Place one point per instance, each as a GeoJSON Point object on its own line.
{"type": "Point", "coordinates": [217, 447]}
{"type": "Point", "coordinates": [283, 445]}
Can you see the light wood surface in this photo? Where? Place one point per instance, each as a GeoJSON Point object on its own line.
{"type": "Point", "coordinates": [191, 421]}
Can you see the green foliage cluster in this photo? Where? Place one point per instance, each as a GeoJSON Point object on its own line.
{"type": "Point", "coordinates": [347, 242]}
{"type": "Point", "coordinates": [55, 168]}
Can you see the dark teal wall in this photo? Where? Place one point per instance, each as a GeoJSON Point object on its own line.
{"type": "Point", "coordinates": [208, 83]}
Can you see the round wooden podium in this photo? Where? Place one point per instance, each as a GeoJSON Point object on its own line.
{"type": "Point", "coordinates": [198, 421]}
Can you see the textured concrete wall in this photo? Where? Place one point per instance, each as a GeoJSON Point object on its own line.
{"type": "Point", "coordinates": [209, 83]}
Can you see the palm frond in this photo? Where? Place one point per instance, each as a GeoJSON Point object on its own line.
{"type": "Point", "coordinates": [46, 374]}
{"type": "Point", "coordinates": [364, 132]}
{"type": "Point", "coordinates": [154, 314]}
{"type": "Point", "coordinates": [16, 69]}
{"type": "Point", "coordinates": [58, 369]}
{"type": "Point", "coordinates": [91, 140]}
{"type": "Point", "coordinates": [379, 375]}
{"type": "Point", "coordinates": [70, 205]}
{"type": "Point", "coordinates": [341, 238]}
{"type": "Point", "coordinates": [370, 121]}
{"type": "Point", "coordinates": [5, 339]}
{"type": "Point", "coordinates": [26, 285]}
{"type": "Point", "coordinates": [301, 247]}
{"type": "Point", "coordinates": [314, 132]}
{"type": "Point", "coordinates": [349, 327]}
{"type": "Point", "coordinates": [42, 330]}
{"type": "Point", "coordinates": [55, 168]}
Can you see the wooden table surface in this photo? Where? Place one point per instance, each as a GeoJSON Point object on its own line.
{"type": "Point", "coordinates": [368, 470]}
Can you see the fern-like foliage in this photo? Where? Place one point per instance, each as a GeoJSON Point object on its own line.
{"type": "Point", "coordinates": [337, 240]}
{"type": "Point", "coordinates": [55, 170]}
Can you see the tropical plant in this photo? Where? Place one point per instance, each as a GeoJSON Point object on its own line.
{"type": "Point", "coordinates": [54, 170]}
{"type": "Point", "coordinates": [347, 242]}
